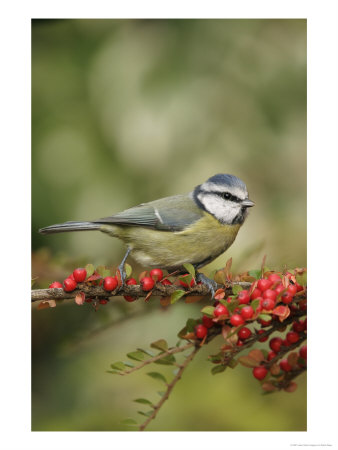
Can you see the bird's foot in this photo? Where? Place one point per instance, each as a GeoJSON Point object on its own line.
{"type": "Point", "coordinates": [211, 284]}
{"type": "Point", "coordinates": [123, 273]}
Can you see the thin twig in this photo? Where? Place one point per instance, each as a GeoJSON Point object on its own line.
{"type": "Point", "coordinates": [171, 351]}
{"type": "Point", "coordinates": [170, 387]}
{"type": "Point", "coordinates": [132, 290]}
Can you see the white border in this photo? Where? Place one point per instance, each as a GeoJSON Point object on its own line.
{"type": "Point", "coordinates": [322, 221]}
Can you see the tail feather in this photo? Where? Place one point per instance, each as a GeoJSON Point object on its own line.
{"type": "Point", "coordinates": [70, 226]}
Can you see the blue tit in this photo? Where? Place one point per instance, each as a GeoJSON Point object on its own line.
{"type": "Point", "coordinates": [193, 228]}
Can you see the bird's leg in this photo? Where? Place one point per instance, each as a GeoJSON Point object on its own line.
{"type": "Point", "coordinates": [121, 266]}
{"type": "Point", "coordinates": [211, 284]}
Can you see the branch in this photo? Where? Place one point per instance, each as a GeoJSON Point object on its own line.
{"type": "Point", "coordinates": [170, 387]}
{"type": "Point", "coordinates": [134, 291]}
{"type": "Point", "coordinates": [162, 355]}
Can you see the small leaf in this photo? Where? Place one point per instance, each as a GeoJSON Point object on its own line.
{"type": "Point", "coordinates": [227, 269]}
{"type": "Point", "coordinates": [147, 414]}
{"type": "Point", "coordinates": [291, 388]}
{"type": "Point", "coordinates": [219, 277]}
{"type": "Point", "coordinates": [161, 344]}
{"type": "Point", "coordinates": [128, 422]}
{"type": "Point", "coordinates": [43, 305]}
{"type": "Point", "coordinates": [255, 273]}
{"type": "Point", "coordinates": [232, 363]}
{"type": "Point", "coordinates": [219, 294]}
{"type": "Point", "coordinates": [167, 360]}
{"type": "Point", "coordinates": [254, 304]}
{"type": "Point", "coordinates": [176, 296]}
{"type": "Point", "coordinates": [302, 280]}
{"type": "Point", "coordinates": [165, 301]}
{"type": "Point", "coordinates": [265, 317]}
{"type": "Point", "coordinates": [119, 365]}
{"type": "Point", "coordinates": [147, 352]}
{"type": "Point", "coordinates": [236, 289]}
{"type": "Point", "coordinates": [143, 401]}
{"type": "Point", "coordinates": [157, 376]}
{"type": "Point", "coordinates": [256, 354]}
{"type": "Point", "coordinates": [190, 325]}
{"type": "Point", "coordinates": [113, 371]}
{"type": "Point", "coordinates": [218, 369]}
{"type": "Point", "coordinates": [269, 387]}
{"type": "Point", "coordinates": [137, 356]}
{"type": "Point", "coordinates": [89, 269]}
{"type": "Point", "coordinates": [128, 269]}
{"type": "Point", "coordinates": [275, 369]}
{"type": "Point", "coordinates": [247, 361]}
{"type": "Point", "coordinates": [190, 268]}
{"type": "Point", "coordinates": [208, 311]}
{"type": "Point", "coordinates": [161, 393]}
{"type": "Point", "coordinates": [128, 363]}
{"type": "Point", "coordinates": [293, 359]}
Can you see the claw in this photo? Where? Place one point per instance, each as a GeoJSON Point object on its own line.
{"type": "Point", "coordinates": [121, 266]}
{"type": "Point", "coordinates": [211, 284]}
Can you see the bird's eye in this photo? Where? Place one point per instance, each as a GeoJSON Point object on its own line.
{"type": "Point", "coordinates": [226, 195]}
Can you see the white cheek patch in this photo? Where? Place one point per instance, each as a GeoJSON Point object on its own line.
{"type": "Point", "coordinates": [224, 211]}
{"type": "Point", "coordinates": [234, 190]}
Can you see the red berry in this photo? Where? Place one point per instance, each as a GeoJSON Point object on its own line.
{"type": "Point", "coordinates": [264, 284]}
{"type": "Point", "coordinates": [103, 301]}
{"type": "Point", "coordinates": [207, 321]}
{"type": "Point", "coordinates": [265, 323]}
{"type": "Point", "coordinates": [287, 297]}
{"type": "Point", "coordinates": [274, 278]}
{"type": "Point", "coordinates": [303, 352]}
{"type": "Point", "coordinates": [69, 285]}
{"type": "Point", "coordinates": [271, 355]}
{"type": "Point", "coordinates": [275, 344]}
{"type": "Point", "coordinates": [279, 288]}
{"type": "Point", "coordinates": [292, 337]}
{"type": "Point", "coordinates": [285, 343]}
{"type": "Point", "coordinates": [292, 289]}
{"type": "Point", "coordinates": [236, 320]}
{"type": "Point", "coordinates": [284, 365]}
{"type": "Point", "coordinates": [247, 312]}
{"type": "Point", "coordinates": [88, 300]}
{"type": "Point", "coordinates": [110, 283]}
{"type": "Point", "coordinates": [147, 283]}
{"type": "Point", "coordinates": [263, 339]}
{"type": "Point", "coordinates": [201, 331]}
{"type": "Point", "coordinates": [156, 274]}
{"type": "Point", "coordinates": [243, 297]}
{"type": "Point", "coordinates": [303, 305]}
{"type": "Point", "coordinates": [260, 372]}
{"type": "Point", "coordinates": [299, 287]}
{"type": "Point", "coordinates": [221, 310]}
{"type": "Point", "coordinates": [299, 326]}
{"type": "Point", "coordinates": [244, 333]}
{"type": "Point", "coordinates": [269, 293]}
{"type": "Point", "coordinates": [184, 284]}
{"type": "Point", "coordinates": [239, 343]}
{"type": "Point", "coordinates": [79, 275]}
{"type": "Point", "coordinates": [166, 282]}
{"type": "Point", "coordinates": [255, 294]}
{"type": "Point", "coordinates": [129, 298]}
{"type": "Point", "coordinates": [71, 276]}
{"type": "Point", "coordinates": [55, 284]}
{"type": "Point", "coordinates": [267, 303]}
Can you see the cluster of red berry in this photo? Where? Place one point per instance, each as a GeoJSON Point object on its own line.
{"type": "Point", "coordinates": [109, 283]}
{"type": "Point", "coordinates": [269, 300]}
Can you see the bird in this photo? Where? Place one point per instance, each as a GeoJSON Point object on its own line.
{"type": "Point", "coordinates": [167, 233]}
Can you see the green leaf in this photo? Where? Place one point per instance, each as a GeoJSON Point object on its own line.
{"type": "Point", "coordinates": [101, 270]}
{"type": "Point", "coordinates": [146, 352]}
{"type": "Point", "coordinates": [236, 289]}
{"type": "Point", "coordinates": [147, 414]}
{"type": "Point", "coordinates": [161, 344]}
{"type": "Point", "coordinates": [128, 363]}
{"type": "Point", "coordinates": [112, 371]}
{"type": "Point", "coordinates": [119, 365]}
{"type": "Point", "coordinates": [144, 401]}
{"type": "Point", "coordinates": [129, 422]}
{"type": "Point", "coordinates": [157, 376]}
{"type": "Point", "coordinates": [161, 393]}
{"type": "Point", "coordinates": [176, 296]}
{"type": "Point", "coordinates": [218, 369]}
{"type": "Point", "coordinates": [232, 363]}
{"type": "Point", "coordinates": [167, 360]}
{"type": "Point", "coordinates": [190, 325]}
{"type": "Point", "coordinates": [208, 311]}
{"type": "Point", "coordinates": [190, 268]}
{"type": "Point", "coordinates": [255, 304]}
{"type": "Point", "coordinates": [137, 356]}
{"type": "Point", "coordinates": [255, 273]}
{"type": "Point", "coordinates": [265, 317]}
{"type": "Point", "coordinates": [89, 269]}
{"type": "Point", "coordinates": [302, 279]}
{"type": "Point", "coordinates": [232, 305]}
{"type": "Point", "coordinates": [128, 269]}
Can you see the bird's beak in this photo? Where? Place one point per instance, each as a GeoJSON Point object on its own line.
{"type": "Point", "coordinates": [248, 203]}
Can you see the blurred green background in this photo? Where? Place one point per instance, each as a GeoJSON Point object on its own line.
{"type": "Point", "coordinates": [126, 111]}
